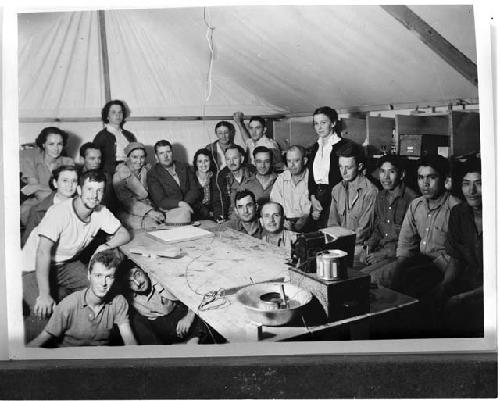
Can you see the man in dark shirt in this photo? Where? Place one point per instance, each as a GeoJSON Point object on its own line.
{"type": "Point", "coordinates": [247, 220]}
{"type": "Point", "coordinates": [391, 205]}
{"type": "Point", "coordinates": [462, 292]}
{"type": "Point", "coordinates": [236, 176]}
{"type": "Point", "coordinates": [172, 184]}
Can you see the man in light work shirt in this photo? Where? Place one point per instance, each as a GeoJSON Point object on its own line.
{"type": "Point", "coordinates": [246, 220]}
{"type": "Point", "coordinates": [353, 199]}
{"type": "Point", "coordinates": [255, 136]}
{"type": "Point", "coordinates": [390, 209]}
{"type": "Point", "coordinates": [55, 244]}
{"type": "Point", "coordinates": [291, 190]}
{"type": "Point", "coordinates": [422, 259]}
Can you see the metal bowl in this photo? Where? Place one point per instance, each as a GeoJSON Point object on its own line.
{"type": "Point", "coordinates": [262, 305]}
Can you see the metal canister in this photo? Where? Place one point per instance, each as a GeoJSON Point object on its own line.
{"type": "Point", "coordinates": [329, 264]}
{"type": "Point", "coordinates": [320, 263]}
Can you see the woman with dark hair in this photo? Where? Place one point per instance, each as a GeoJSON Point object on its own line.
{"type": "Point", "coordinates": [323, 165]}
{"type": "Point", "coordinates": [205, 171]}
{"type": "Point", "coordinates": [37, 165]}
{"type": "Point", "coordinates": [64, 181]}
{"type": "Point", "coordinates": [224, 131]}
{"type": "Point", "coordinates": [113, 139]}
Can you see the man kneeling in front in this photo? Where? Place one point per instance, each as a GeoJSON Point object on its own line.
{"type": "Point", "coordinates": [86, 317]}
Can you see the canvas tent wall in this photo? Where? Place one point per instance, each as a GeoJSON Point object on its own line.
{"type": "Point", "coordinates": [172, 69]}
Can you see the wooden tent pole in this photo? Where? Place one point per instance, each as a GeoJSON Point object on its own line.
{"type": "Point", "coordinates": [428, 35]}
{"type": "Point", "coordinates": [104, 55]}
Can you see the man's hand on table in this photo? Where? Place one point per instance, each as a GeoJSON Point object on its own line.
{"type": "Point", "coordinates": [184, 324]}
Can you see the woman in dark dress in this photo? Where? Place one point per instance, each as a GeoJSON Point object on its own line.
{"type": "Point", "coordinates": [205, 171]}
{"type": "Point", "coordinates": [113, 139]}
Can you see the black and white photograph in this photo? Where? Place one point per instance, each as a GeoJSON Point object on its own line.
{"type": "Point", "coordinates": [225, 180]}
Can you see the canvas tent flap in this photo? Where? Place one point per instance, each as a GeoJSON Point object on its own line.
{"type": "Point", "coordinates": [266, 60]}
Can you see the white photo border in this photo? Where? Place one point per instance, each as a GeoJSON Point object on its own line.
{"type": "Point", "coordinates": [16, 348]}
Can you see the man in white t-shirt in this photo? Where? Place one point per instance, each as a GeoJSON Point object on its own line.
{"type": "Point", "coordinates": [255, 135]}
{"type": "Point", "coordinates": [50, 255]}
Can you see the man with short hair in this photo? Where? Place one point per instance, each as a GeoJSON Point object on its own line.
{"type": "Point", "coordinates": [462, 288]}
{"type": "Point", "coordinates": [255, 136]}
{"type": "Point", "coordinates": [171, 184]}
{"type": "Point", "coordinates": [422, 260]}
{"type": "Point", "coordinates": [158, 316]}
{"type": "Point", "coordinates": [291, 190]}
{"type": "Point", "coordinates": [391, 205]}
{"type": "Point", "coordinates": [262, 182]}
{"type": "Point", "coordinates": [245, 209]}
{"type": "Point", "coordinates": [53, 247]}
{"type": "Point", "coordinates": [86, 317]}
{"type": "Point", "coordinates": [353, 199]}
{"type": "Point", "coordinates": [91, 156]}
{"type": "Point", "coordinates": [224, 131]}
{"type": "Point", "coordinates": [272, 218]}
{"type": "Point", "coordinates": [233, 177]}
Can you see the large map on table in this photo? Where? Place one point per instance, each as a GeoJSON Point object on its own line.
{"type": "Point", "coordinates": [229, 260]}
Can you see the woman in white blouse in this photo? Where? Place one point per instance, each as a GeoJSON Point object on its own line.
{"type": "Point", "coordinates": [324, 171]}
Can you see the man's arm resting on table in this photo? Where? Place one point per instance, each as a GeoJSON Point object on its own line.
{"type": "Point", "coordinates": [120, 237]}
{"type": "Point", "coordinates": [44, 302]}
{"type": "Point", "coordinates": [126, 333]}
{"type": "Point", "coordinates": [40, 340]}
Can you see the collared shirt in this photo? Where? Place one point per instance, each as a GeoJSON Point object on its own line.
{"type": "Point", "coordinates": [121, 142]}
{"type": "Point", "coordinates": [219, 156]}
{"type": "Point", "coordinates": [76, 321]}
{"type": "Point", "coordinates": [253, 184]}
{"type": "Point", "coordinates": [205, 186]}
{"type": "Point", "coordinates": [293, 197]}
{"type": "Point", "coordinates": [389, 216]}
{"type": "Point", "coordinates": [255, 229]}
{"type": "Point", "coordinates": [32, 165]}
{"type": "Point", "coordinates": [158, 302]}
{"type": "Point", "coordinates": [321, 164]}
{"type": "Point", "coordinates": [263, 141]}
{"type": "Point", "coordinates": [131, 190]}
{"type": "Point", "coordinates": [465, 243]}
{"type": "Point", "coordinates": [425, 229]}
{"type": "Point", "coordinates": [247, 182]}
{"type": "Point", "coordinates": [352, 208]}
{"type": "Point", "coordinates": [173, 173]}
{"type": "Point", "coordinates": [284, 240]}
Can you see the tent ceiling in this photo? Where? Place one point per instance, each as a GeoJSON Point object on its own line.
{"type": "Point", "coordinates": [268, 60]}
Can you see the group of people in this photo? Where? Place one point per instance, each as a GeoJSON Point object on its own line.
{"type": "Point", "coordinates": [414, 244]}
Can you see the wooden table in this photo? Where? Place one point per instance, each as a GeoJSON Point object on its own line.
{"type": "Point", "coordinates": [231, 260]}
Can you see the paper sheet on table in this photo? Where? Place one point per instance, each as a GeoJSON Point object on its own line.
{"type": "Point", "coordinates": [180, 234]}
